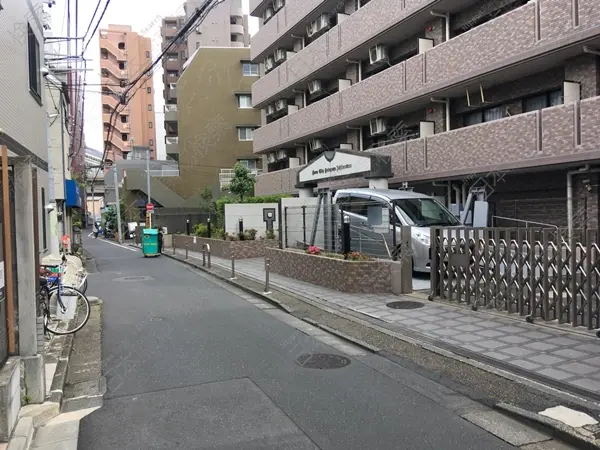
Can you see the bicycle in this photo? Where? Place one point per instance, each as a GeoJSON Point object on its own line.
{"type": "Point", "coordinates": [62, 317]}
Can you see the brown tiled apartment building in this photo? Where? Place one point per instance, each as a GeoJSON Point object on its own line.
{"type": "Point", "coordinates": [500, 94]}
{"type": "Point", "coordinates": [124, 54]}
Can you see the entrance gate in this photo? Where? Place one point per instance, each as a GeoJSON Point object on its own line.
{"type": "Point", "coordinates": [531, 272]}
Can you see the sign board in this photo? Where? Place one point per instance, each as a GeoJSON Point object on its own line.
{"type": "Point", "coordinates": [147, 219]}
{"type": "Point", "coordinates": [149, 207]}
{"type": "Point", "coordinates": [335, 164]}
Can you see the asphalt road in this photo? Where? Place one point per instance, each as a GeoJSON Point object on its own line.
{"type": "Point", "coordinates": [191, 365]}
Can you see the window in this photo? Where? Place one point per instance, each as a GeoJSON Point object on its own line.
{"type": "Point", "coordinates": [104, 54]}
{"type": "Point", "coordinates": [234, 38]}
{"type": "Point", "coordinates": [123, 119]}
{"type": "Point", "coordinates": [122, 65]}
{"type": "Point", "coordinates": [553, 98]}
{"type": "Point", "coordinates": [44, 212]}
{"type": "Point", "coordinates": [35, 82]}
{"type": "Point", "coordinates": [151, 142]}
{"type": "Point", "coordinates": [484, 115]}
{"type": "Point", "coordinates": [149, 107]}
{"type": "Point", "coordinates": [121, 45]}
{"type": "Point", "coordinates": [244, 101]}
{"type": "Point", "coordinates": [124, 137]}
{"type": "Point", "coordinates": [245, 133]}
{"type": "Point", "coordinates": [150, 125]}
{"type": "Point", "coordinates": [147, 54]}
{"type": "Point", "coordinates": [250, 70]}
{"type": "Point", "coordinates": [149, 90]}
{"type": "Point", "coordinates": [425, 212]}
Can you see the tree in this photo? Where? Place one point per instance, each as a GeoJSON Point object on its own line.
{"type": "Point", "coordinates": [242, 182]}
{"type": "Point", "coordinates": [208, 200]}
{"type": "Point", "coordinates": [110, 217]}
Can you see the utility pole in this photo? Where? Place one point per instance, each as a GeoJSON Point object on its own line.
{"type": "Point", "coordinates": [62, 157]}
{"type": "Point", "coordinates": [148, 185]}
{"type": "Point", "coordinates": [118, 204]}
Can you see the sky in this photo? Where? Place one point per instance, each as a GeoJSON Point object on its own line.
{"type": "Point", "coordinates": [144, 16]}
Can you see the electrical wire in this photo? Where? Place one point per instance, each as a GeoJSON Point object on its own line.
{"type": "Point", "coordinates": [96, 27]}
{"type": "Point", "coordinates": [92, 20]}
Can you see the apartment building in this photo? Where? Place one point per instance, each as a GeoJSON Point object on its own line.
{"type": "Point", "coordinates": [225, 26]}
{"type": "Point", "coordinates": [498, 96]}
{"type": "Point", "coordinates": [125, 54]}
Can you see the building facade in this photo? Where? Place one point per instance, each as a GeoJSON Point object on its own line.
{"type": "Point", "coordinates": [224, 26]}
{"type": "Point", "coordinates": [500, 95]}
{"type": "Point", "coordinates": [124, 54]}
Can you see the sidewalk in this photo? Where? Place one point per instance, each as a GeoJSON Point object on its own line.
{"type": "Point", "coordinates": [549, 353]}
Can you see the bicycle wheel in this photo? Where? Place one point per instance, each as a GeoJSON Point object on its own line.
{"type": "Point", "coordinates": [67, 314]}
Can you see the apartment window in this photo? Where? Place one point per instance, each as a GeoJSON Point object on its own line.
{"type": "Point", "coordinates": [35, 82]}
{"type": "Point", "coordinates": [44, 237]}
{"type": "Point", "coordinates": [250, 70]}
{"type": "Point", "coordinates": [147, 54]}
{"type": "Point", "coordinates": [123, 119]}
{"type": "Point", "coordinates": [104, 54]}
{"type": "Point", "coordinates": [124, 137]}
{"type": "Point", "coordinates": [149, 90]}
{"type": "Point", "coordinates": [244, 101]}
{"type": "Point", "coordinates": [553, 98]}
{"type": "Point", "coordinates": [234, 38]}
{"type": "Point", "coordinates": [150, 125]}
{"type": "Point", "coordinates": [121, 45]}
{"type": "Point", "coordinates": [245, 133]}
{"type": "Point", "coordinates": [484, 115]}
{"type": "Point", "coordinates": [149, 107]}
{"type": "Point", "coordinates": [104, 73]}
{"type": "Point", "coordinates": [151, 142]}
{"type": "Point", "coordinates": [122, 65]}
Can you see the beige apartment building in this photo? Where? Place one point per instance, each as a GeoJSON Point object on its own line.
{"type": "Point", "coordinates": [499, 97]}
{"type": "Point", "coordinates": [225, 26]}
{"type": "Point", "coordinates": [124, 54]}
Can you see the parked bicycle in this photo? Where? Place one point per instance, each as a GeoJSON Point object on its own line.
{"type": "Point", "coordinates": [65, 308]}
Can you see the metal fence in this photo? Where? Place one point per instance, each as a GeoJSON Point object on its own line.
{"type": "Point", "coordinates": [543, 273]}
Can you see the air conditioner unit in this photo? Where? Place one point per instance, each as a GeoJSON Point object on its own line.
{"type": "Point", "coordinates": [314, 87]}
{"type": "Point", "coordinates": [270, 109]}
{"type": "Point", "coordinates": [323, 22]}
{"type": "Point", "coordinates": [280, 55]}
{"type": "Point", "coordinates": [378, 54]}
{"type": "Point", "coordinates": [315, 145]}
{"type": "Point", "coordinates": [271, 158]}
{"type": "Point", "coordinates": [269, 12]}
{"type": "Point", "coordinates": [280, 154]}
{"type": "Point", "coordinates": [269, 63]}
{"type": "Point", "coordinates": [378, 126]}
{"type": "Point", "coordinates": [278, 4]}
{"type": "Point", "coordinates": [280, 104]}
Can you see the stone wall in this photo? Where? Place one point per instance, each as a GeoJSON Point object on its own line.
{"type": "Point", "coordinates": [366, 277]}
{"type": "Point", "coordinates": [225, 249]}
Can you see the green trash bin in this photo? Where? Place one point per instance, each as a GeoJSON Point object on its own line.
{"type": "Point", "coordinates": [150, 242]}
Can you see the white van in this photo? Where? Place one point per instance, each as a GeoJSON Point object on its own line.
{"type": "Point", "coordinates": [364, 208]}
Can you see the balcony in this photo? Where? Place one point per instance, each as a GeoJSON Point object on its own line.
{"type": "Point", "coordinates": [120, 55]}
{"type": "Point", "coordinates": [550, 136]}
{"type": "Point", "coordinates": [237, 29]}
{"type": "Point", "coordinates": [506, 49]}
{"type": "Point", "coordinates": [172, 64]}
{"type": "Point", "coordinates": [226, 175]}
{"type": "Point", "coordinates": [172, 145]}
{"type": "Point", "coordinates": [113, 69]}
{"type": "Point", "coordinates": [121, 127]}
{"type": "Point", "coordinates": [172, 91]}
{"type": "Point", "coordinates": [287, 21]}
{"type": "Point", "coordinates": [348, 40]}
{"type": "Point", "coordinates": [170, 113]}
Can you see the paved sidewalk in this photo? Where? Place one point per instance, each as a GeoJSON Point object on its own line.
{"type": "Point", "coordinates": [553, 352]}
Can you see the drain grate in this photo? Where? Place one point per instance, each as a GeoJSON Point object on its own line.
{"type": "Point", "coordinates": [137, 278]}
{"type": "Point", "coordinates": [404, 304]}
{"type": "Point", "coordinates": [322, 361]}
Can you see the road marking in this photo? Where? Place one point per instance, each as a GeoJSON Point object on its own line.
{"type": "Point", "coordinates": [119, 245]}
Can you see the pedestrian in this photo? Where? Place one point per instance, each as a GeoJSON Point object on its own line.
{"type": "Point", "coordinates": [160, 239]}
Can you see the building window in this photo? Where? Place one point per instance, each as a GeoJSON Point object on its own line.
{"type": "Point", "coordinates": [123, 119]}
{"type": "Point", "coordinates": [124, 137]}
{"type": "Point", "coordinates": [245, 133]}
{"type": "Point", "coordinates": [149, 107]}
{"type": "Point", "coordinates": [122, 65]}
{"type": "Point", "coordinates": [150, 125]}
{"type": "Point", "coordinates": [244, 101]}
{"type": "Point", "coordinates": [147, 54]}
{"type": "Point", "coordinates": [484, 115]}
{"type": "Point", "coordinates": [547, 100]}
{"type": "Point", "coordinates": [35, 81]}
{"type": "Point", "coordinates": [250, 70]}
{"type": "Point", "coordinates": [44, 212]}
{"type": "Point", "coordinates": [151, 143]}
{"type": "Point", "coordinates": [149, 90]}
{"type": "Point", "coordinates": [121, 45]}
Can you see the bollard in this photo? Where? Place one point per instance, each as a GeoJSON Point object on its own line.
{"type": "Point", "coordinates": [233, 267]}
{"type": "Point", "coordinates": [208, 228]}
{"type": "Point", "coordinates": [203, 257]}
{"type": "Point", "coordinates": [186, 250]}
{"type": "Point", "coordinates": [267, 268]}
{"type": "Point", "coordinates": [207, 246]}
{"type": "Point", "coordinates": [187, 227]}
{"type": "Point", "coordinates": [241, 226]}
{"type": "Point", "coordinates": [173, 244]}
{"type": "Point", "coordinates": [346, 235]}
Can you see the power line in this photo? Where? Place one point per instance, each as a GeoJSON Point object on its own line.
{"type": "Point", "coordinates": [96, 27]}
{"type": "Point", "coordinates": [92, 19]}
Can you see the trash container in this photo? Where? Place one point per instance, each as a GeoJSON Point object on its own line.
{"type": "Point", "coordinates": [150, 242]}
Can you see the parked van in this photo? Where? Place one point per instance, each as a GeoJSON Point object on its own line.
{"type": "Point", "coordinates": [372, 230]}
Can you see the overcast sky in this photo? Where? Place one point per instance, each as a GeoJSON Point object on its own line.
{"type": "Point", "coordinates": [144, 16]}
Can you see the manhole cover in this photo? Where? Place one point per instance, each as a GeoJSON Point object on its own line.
{"type": "Point", "coordinates": [322, 361]}
{"type": "Point", "coordinates": [405, 304]}
{"type": "Point", "coordinates": [133, 278]}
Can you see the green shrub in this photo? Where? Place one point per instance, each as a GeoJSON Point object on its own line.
{"type": "Point", "coordinates": [250, 234]}
{"type": "Point", "coordinates": [270, 234]}
{"type": "Point", "coordinates": [201, 230]}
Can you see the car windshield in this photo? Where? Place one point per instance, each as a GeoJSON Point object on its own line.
{"type": "Point", "coordinates": [426, 212]}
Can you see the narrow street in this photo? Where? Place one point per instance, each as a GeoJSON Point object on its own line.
{"type": "Point", "coordinates": [191, 364]}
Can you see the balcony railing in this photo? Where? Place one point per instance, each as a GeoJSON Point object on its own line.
{"type": "Point", "coordinates": [508, 38]}
{"type": "Point", "coordinates": [171, 113]}
{"type": "Point", "coordinates": [546, 137]}
{"type": "Point", "coordinates": [503, 38]}
{"type": "Point", "coordinates": [226, 175]}
{"type": "Point", "coordinates": [172, 140]}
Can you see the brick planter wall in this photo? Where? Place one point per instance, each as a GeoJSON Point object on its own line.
{"type": "Point", "coordinates": [225, 249]}
{"type": "Point", "coordinates": [366, 277]}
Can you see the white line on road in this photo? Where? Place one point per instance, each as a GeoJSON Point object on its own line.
{"type": "Point", "coordinates": [118, 245]}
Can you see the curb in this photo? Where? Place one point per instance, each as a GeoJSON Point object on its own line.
{"type": "Point", "coordinates": [555, 428]}
{"type": "Point", "coordinates": [60, 376]}
{"type": "Point", "coordinates": [22, 436]}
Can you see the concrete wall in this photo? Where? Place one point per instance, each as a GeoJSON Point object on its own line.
{"type": "Point", "coordinates": [225, 249]}
{"type": "Point", "coordinates": [216, 29]}
{"type": "Point", "coordinates": [252, 215]}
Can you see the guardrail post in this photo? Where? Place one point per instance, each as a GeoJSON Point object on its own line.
{"type": "Point", "coordinates": [208, 250]}
{"type": "Point", "coordinates": [174, 240]}
{"type": "Point", "coordinates": [233, 267]}
{"type": "Point", "coordinates": [186, 250]}
{"type": "Point", "coordinates": [203, 256]}
{"type": "Point", "coordinates": [267, 269]}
